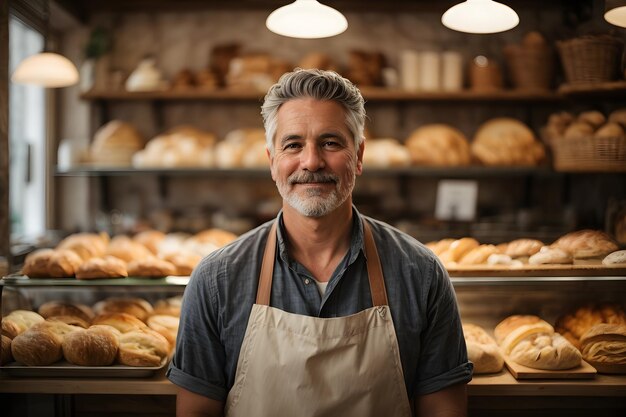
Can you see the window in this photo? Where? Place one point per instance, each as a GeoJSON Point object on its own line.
{"type": "Point", "coordinates": [27, 139]}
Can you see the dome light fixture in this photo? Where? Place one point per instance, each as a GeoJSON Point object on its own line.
{"type": "Point", "coordinates": [615, 12]}
{"type": "Point", "coordinates": [46, 69]}
{"type": "Point", "coordinates": [306, 19]}
{"type": "Point", "coordinates": [480, 16]}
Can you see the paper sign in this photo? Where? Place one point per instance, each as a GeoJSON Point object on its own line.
{"type": "Point", "coordinates": [456, 200]}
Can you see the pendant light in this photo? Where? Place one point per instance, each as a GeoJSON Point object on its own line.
{"type": "Point", "coordinates": [480, 16]}
{"type": "Point", "coordinates": [615, 12]}
{"type": "Point", "coordinates": [46, 69]}
{"type": "Point", "coordinates": [307, 19]}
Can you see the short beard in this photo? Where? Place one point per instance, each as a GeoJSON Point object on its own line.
{"type": "Point", "coordinates": [313, 205]}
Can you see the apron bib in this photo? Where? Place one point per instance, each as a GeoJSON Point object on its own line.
{"type": "Point", "coordinates": [296, 365]}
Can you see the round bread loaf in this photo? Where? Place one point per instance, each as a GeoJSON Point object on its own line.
{"type": "Point", "coordinates": [36, 263]}
{"type": "Point", "coordinates": [95, 346]}
{"type": "Point", "coordinates": [121, 321]}
{"type": "Point", "coordinates": [143, 347]}
{"type": "Point", "coordinates": [37, 347]}
{"type": "Point", "coordinates": [438, 144]}
{"type": "Point", "coordinates": [5, 350]}
{"type": "Point", "coordinates": [134, 306]}
{"type": "Point", "coordinates": [586, 244]}
{"type": "Point", "coordinates": [60, 308]}
{"type": "Point", "coordinates": [506, 141]}
{"type": "Point", "coordinates": [19, 321]}
{"type": "Point", "coordinates": [482, 350]}
{"type": "Point", "coordinates": [543, 350]}
{"type": "Point", "coordinates": [64, 263]}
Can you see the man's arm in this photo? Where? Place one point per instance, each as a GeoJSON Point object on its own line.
{"type": "Point", "coordinates": [189, 404]}
{"type": "Point", "coordinates": [449, 402]}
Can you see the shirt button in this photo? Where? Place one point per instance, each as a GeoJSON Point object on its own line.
{"type": "Point", "coordinates": [307, 281]}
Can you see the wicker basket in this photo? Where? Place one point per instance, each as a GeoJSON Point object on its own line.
{"type": "Point", "coordinates": [589, 154]}
{"type": "Point", "coordinates": [591, 59]}
{"type": "Point", "coordinates": [530, 67]}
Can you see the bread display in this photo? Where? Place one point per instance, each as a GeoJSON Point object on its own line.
{"type": "Point", "coordinates": [182, 146]}
{"type": "Point", "coordinates": [58, 308]}
{"type": "Point", "coordinates": [573, 325]}
{"type": "Point", "coordinates": [123, 322]}
{"type": "Point", "coordinates": [36, 263]}
{"type": "Point", "coordinates": [604, 347]}
{"type": "Point", "coordinates": [506, 141]}
{"type": "Point", "coordinates": [438, 145]}
{"type": "Point", "coordinates": [18, 321]}
{"type": "Point", "coordinates": [63, 263]}
{"type": "Point", "coordinates": [115, 143]}
{"type": "Point", "coordinates": [586, 244]}
{"type": "Point", "coordinates": [385, 152]}
{"type": "Point", "coordinates": [231, 151]}
{"type": "Point", "coordinates": [150, 267]}
{"type": "Point", "coordinates": [482, 350]}
{"type": "Point", "coordinates": [532, 342]}
{"type": "Point", "coordinates": [107, 267]}
{"type": "Point", "coordinates": [95, 346]}
{"type": "Point", "coordinates": [144, 347]}
{"type": "Point", "coordinates": [134, 306]}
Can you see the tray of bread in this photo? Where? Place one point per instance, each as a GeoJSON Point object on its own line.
{"type": "Point", "coordinates": [116, 337]}
{"type": "Point", "coordinates": [581, 253]}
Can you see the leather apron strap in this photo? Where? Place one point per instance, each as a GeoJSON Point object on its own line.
{"type": "Point", "coordinates": [374, 269]}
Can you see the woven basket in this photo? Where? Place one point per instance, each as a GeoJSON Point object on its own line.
{"type": "Point", "coordinates": [530, 67]}
{"type": "Point", "coordinates": [589, 154]}
{"type": "Point", "coordinates": [591, 59]}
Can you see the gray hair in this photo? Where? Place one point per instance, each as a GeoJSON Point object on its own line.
{"type": "Point", "coordinates": [319, 85]}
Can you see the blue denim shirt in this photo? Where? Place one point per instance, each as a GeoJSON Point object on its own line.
{"type": "Point", "coordinates": [222, 289]}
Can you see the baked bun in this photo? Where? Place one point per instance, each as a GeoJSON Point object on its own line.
{"type": "Point", "coordinates": [18, 321]}
{"type": "Point", "coordinates": [609, 131]}
{"type": "Point", "coordinates": [586, 244]}
{"type": "Point", "coordinates": [39, 347]}
{"type": "Point", "coordinates": [170, 306]}
{"type": "Point", "coordinates": [550, 255]}
{"type": "Point", "coordinates": [71, 320]}
{"type": "Point", "coordinates": [604, 347]}
{"type": "Point", "coordinates": [64, 263]}
{"type": "Point", "coordinates": [150, 267]}
{"type": "Point", "coordinates": [95, 346]}
{"type": "Point", "coordinates": [134, 306]}
{"type": "Point", "coordinates": [167, 326]}
{"type": "Point", "coordinates": [126, 249]}
{"type": "Point", "coordinates": [458, 249]}
{"type": "Point", "coordinates": [506, 141]}
{"type": "Point", "coordinates": [615, 258]}
{"type": "Point", "coordinates": [523, 247]}
{"type": "Point", "coordinates": [143, 347]}
{"type": "Point", "coordinates": [440, 246]}
{"type": "Point", "coordinates": [107, 267]}
{"type": "Point", "coordinates": [86, 245]}
{"type": "Point", "coordinates": [478, 255]}
{"type": "Point", "coordinates": [121, 321]}
{"type": "Point", "coordinates": [59, 308]}
{"type": "Point", "coordinates": [439, 145]}
{"type": "Point", "coordinates": [482, 350]}
{"type": "Point", "coordinates": [5, 351]}
{"type": "Point", "coordinates": [573, 325]}
{"type": "Point", "coordinates": [36, 263]}
{"type": "Point", "coordinates": [150, 239]}
{"type": "Point", "coordinates": [578, 130]}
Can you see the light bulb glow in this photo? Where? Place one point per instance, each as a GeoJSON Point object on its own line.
{"type": "Point", "coordinates": [616, 13]}
{"type": "Point", "coordinates": [307, 19]}
{"type": "Point", "coordinates": [46, 69]}
{"type": "Point", "coordinates": [480, 16]}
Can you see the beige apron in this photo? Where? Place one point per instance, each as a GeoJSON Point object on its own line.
{"type": "Point", "coordinates": [296, 365]}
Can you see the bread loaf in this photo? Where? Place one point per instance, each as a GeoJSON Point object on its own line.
{"type": "Point", "coordinates": [18, 321]}
{"type": "Point", "coordinates": [604, 347]}
{"type": "Point", "coordinates": [134, 306]}
{"type": "Point", "coordinates": [95, 346]}
{"type": "Point", "coordinates": [64, 263]}
{"type": "Point", "coordinates": [573, 325]}
{"type": "Point", "coordinates": [36, 263]}
{"type": "Point", "coordinates": [107, 267]}
{"type": "Point", "coordinates": [506, 141]}
{"type": "Point", "coordinates": [38, 347]}
{"type": "Point", "coordinates": [150, 239]}
{"type": "Point", "coordinates": [126, 249]}
{"type": "Point", "coordinates": [586, 244]}
{"type": "Point", "coordinates": [86, 245]}
{"type": "Point", "coordinates": [151, 267]}
{"type": "Point", "coordinates": [121, 321]}
{"type": "Point", "coordinates": [458, 249]}
{"type": "Point", "coordinates": [440, 246]}
{"type": "Point", "coordinates": [482, 350]}
{"type": "Point", "coordinates": [143, 347]}
{"type": "Point", "coordinates": [170, 306]}
{"type": "Point", "coordinates": [438, 144]}
{"type": "Point", "coordinates": [523, 247]}
{"type": "Point", "coordinates": [71, 320]}
{"type": "Point", "coordinates": [167, 326]}
{"type": "Point", "coordinates": [550, 255]}
{"type": "Point", "coordinates": [184, 262]}
{"type": "Point", "coordinates": [478, 255]}
{"type": "Point", "coordinates": [508, 325]}
{"type": "Point", "coordinates": [59, 308]}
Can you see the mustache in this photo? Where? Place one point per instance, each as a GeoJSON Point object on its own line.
{"type": "Point", "coordinates": [307, 176]}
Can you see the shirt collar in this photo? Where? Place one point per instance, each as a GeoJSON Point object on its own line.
{"type": "Point", "coordinates": [356, 240]}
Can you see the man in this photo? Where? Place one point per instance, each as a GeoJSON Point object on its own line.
{"type": "Point", "coordinates": [323, 311]}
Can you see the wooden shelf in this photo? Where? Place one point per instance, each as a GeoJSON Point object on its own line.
{"type": "Point", "coordinates": [606, 89]}
{"type": "Point", "coordinates": [371, 94]}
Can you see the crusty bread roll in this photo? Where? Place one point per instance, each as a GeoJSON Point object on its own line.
{"type": "Point", "coordinates": [523, 247]}
{"type": "Point", "coordinates": [615, 258]}
{"type": "Point", "coordinates": [604, 347]}
{"type": "Point", "coordinates": [478, 255]}
{"type": "Point", "coordinates": [134, 306]}
{"type": "Point", "coordinates": [60, 308]}
{"type": "Point", "coordinates": [438, 144]}
{"type": "Point", "coordinates": [150, 267]}
{"type": "Point", "coordinates": [610, 130]}
{"type": "Point", "coordinates": [107, 267]}
{"type": "Point", "coordinates": [121, 321]}
{"type": "Point", "coordinates": [38, 347]}
{"type": "Point", "coordinates": [170, 306]}
{"type": "Point", "coordinates": [5, 351]}
{"type": "Point", "coordinates": [166, 325]}
{"type": "Point", "coordinates": [36, 263]}
{"type": "Point", "coordinates": [573, 325]}
{"type": "Point", "coordinates": [126, 249]}
{"type": "Point", "coordinates": [550, 255]}
{"type": "Point", "coordinates": [150, 239]}
{"type": "Point", "coordinates": [86, 245]}
{"type": "Point", "coordinates": [144, 347]}
{"type": "Point", "coordinates": [64, 263]}
{"type": "Point", "coordinates": [95, 346]}
{"type": "Point", "coordinates": [458, 249]}
{"type": "Point", "coordinates": [586, 244]}
{"type": "Point", "coordinates": [482, 350]}
{"type": "Point", "coordinates": [18, 321]}
{"type": "Point", "coordinates": [439, 247]}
